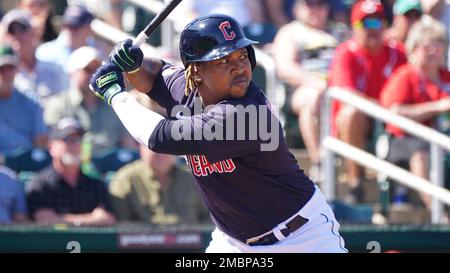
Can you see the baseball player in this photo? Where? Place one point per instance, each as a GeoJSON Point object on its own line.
{"type": "Point", "coordinates": [258, 198]}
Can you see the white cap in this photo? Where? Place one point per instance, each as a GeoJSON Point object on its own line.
{"type": "Point", "coordinates": [82, 57]}
{"type": "Point", "coordinates": [18, 16]}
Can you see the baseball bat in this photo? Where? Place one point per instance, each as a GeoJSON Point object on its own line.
{"type": "Point", "coordinates": [143, 35]}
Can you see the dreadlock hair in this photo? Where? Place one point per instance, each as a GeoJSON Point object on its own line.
{"type": "Point", "coordinates": [191, 84]}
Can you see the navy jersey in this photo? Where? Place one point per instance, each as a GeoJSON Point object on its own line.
{"type": "Point", "coordinates": [247, 191]}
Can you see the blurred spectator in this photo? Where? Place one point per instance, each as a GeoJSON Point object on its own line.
{"type": "Point", "coordinates": [104, 129]}
{"type": "Point", "coordinates": [21, 120]}
{"type": "Point", "coordinates": [76, 32]}
{"type": "Point", "coordinates": [249, 13]}
{"type": "Point", "coordinates": [245, 12]}
{"type": "Point", "coordinates": [439, 10]}
{"type": "Point", "coordinates": [303, 51]}
{"type": "Point", "coordinates": [37, 79]}
{"type": "Point", "coordinates": [12, 198]}
{"type": "Point", "coordinates": [388, 9]}
{"type": "Point", "coordinates": [420, 91]}
{"type": "Point", "coordinates": [406, 13]}
{"type": "Point", "coordinates": [157, 190]}
{"type": "Point", "coordinates": [108, 10]}
{"type": "Point", "coordinates": [339, 10]}
{"type": "Point", "coordinates": [41, 19]}
{"type": "Point", "coordinates": [61, 193]}
{"type": "Point", "coordinates": [279, 11]}
{"type": "Point", "coordinates": [361, 65]}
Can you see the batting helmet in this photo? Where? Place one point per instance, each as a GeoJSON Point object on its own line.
{"type": "Point", "coordinates": [213, 37]}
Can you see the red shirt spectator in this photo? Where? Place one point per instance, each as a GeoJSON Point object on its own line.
{"type": "Point", "coordinates": [356, 69]}
{"type": "Point", "coordinates": [408, 86]}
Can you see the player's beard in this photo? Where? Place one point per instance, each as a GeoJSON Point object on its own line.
{"type": "Point", "coordinates": [69, 159]}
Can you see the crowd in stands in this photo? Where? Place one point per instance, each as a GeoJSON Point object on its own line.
{"type": "Point", "coordinates": [392, 52]}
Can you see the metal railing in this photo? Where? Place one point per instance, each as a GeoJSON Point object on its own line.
{"type": "Point", "coordinates": [437, 140]}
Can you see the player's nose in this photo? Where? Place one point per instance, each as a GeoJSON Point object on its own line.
{"type": "Point", "coordinates": [238, 67]}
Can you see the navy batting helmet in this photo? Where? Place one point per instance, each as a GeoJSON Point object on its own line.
{"type": "Point", "coordinates": [213, 37]}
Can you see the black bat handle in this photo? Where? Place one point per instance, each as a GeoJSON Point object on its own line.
{"type": "Point", "coordinates": [143, 35]}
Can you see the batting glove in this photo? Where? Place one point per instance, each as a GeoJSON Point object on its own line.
{"type": "Point", "coordinates": [126, 56]}
{"type": "Point", "coordinates": [107, 82]}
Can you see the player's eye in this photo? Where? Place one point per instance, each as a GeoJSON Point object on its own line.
{"type": "Point", "coordinates": [244, 56]}
{"type": "Point", "coordinates": [223, 61]}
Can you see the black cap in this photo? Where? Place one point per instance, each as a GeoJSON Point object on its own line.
{"type": "Point", "coordinates": [76, 16]}
{"type": "Point", "coordinates": [66, 127]}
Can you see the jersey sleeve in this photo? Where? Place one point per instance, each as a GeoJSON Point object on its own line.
{"type": "Point", "coordinates": [168, 88]}
{"type": "Point", "coordinates": [221, 133]}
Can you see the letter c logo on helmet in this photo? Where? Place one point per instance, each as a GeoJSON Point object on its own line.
{"type": "Point", "coordinates": [223, 27]}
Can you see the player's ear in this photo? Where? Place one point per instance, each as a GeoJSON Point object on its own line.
{"type": "Point", "coordinates": [197, 77]}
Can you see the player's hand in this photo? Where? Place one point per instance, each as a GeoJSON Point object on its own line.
{"type": "Point", "coordinates": [107, 82]}
{"type": "Point", "coordinates": [126, 56]}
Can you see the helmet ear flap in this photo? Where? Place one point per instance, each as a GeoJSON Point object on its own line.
{"type": "Point", "coordinates": [251, 56]}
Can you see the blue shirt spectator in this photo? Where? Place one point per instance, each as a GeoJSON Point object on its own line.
{"type": "Point", "coordinates": [76, 32]}
{"type": "Point", "coordinates": [12, 198]}
{"type": "Point", "coordinates": [47, 79]}
{"type": "Point", "coordinates": [36, 79]}
{"type": "Point", "coordinates": [21, 121]}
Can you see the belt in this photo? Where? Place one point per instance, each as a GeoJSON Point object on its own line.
{"type": "Point", "coordinates": [270, 238]}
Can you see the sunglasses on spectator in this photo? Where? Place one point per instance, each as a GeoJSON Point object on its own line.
{"type": "Point", "coordinates": [369, 23]}
{"type": "Point", "coordinates": [16, 28]}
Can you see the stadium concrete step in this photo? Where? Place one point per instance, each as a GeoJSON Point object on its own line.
{"type": "Point", "coordinates": [408, 214]}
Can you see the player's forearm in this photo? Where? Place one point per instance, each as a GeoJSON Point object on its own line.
{"type": "Point", "coordinates": [20, 218]}
{"type": "Point", "coordinates": [422, 111]}
{"type": "Point", "coordinates": [48, 216]}
{"type": "Point", "coordinates": [140, 80]}
{"type": "Point", "coordinates": [138, 120]}
{"type": "Point", "coordinates": [144, 78]}
{"type": "Point", "coordinates": [89, 219]}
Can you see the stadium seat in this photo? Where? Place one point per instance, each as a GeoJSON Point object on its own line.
{"type": "Point", "coordinates": [32, 160]}
{"type": "Point", "coordinates": [109, 161]}
{"type": "Point", "coordinates": [354, 214]}
{"type": "Point", "coordinates": [27, 162]}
